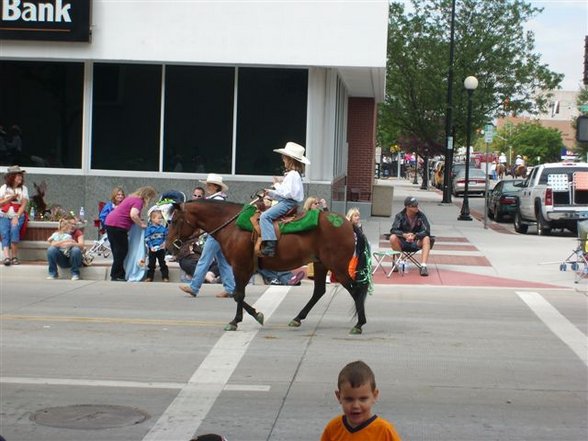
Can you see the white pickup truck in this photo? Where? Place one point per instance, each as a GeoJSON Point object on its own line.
{"type": "Point", "coordinates": [554, 195]}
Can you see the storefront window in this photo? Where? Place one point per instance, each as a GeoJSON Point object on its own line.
{"type": "Point", "coordinates": [126, 111]}
{"type": "Point", "coordinates": [271, 111]}
{"type": "Point", "coordinates": [198, 127]}
{"type": "Point", "coordinates": [41, 114]}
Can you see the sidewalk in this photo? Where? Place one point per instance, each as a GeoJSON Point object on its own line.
{"type": "Point", "coordinates": [465, 254]}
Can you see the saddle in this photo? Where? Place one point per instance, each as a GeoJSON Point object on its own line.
{"type": "Point", "coordinates": [292, 222]}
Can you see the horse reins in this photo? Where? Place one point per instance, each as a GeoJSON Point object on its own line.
{"type": "Point", "coordinates": [216, 229]}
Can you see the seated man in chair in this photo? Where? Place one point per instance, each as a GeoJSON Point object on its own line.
{"type": "Point", "coordinates": [411, 232]}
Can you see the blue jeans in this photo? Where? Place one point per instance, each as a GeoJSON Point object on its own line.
{"type": "Point", "coordinates": [55, 257]}
{"type": "Point", "coordinates": [10, 233]}
{"type": "Point", "coordinates": [282, 276]}
{"type": "Point", "coordinates": [266, 218]}
{"type": "Point", "coordinates": [212, 251]}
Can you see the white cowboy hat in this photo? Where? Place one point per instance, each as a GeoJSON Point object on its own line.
{"type": "Point", "coordinates": [14, 169]}
{"type": "Point", "coordinates": [213, 178]}
{"type": "Point", "coordinates": [294, 151]}
{"type": "Point", "coordinates": [518, 156]}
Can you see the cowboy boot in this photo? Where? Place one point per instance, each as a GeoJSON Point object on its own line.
{"type": "Point", "coordinates": [268, 248]}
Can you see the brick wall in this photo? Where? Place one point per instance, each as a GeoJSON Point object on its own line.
{"type": "Point", "coordinates": [361, 136]}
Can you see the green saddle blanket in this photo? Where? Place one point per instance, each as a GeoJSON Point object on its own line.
{"type": "Point", "coordinates": [308, 222]}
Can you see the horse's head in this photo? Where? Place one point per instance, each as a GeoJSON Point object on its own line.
{"type": "Point", "coordinates": [180, 228]}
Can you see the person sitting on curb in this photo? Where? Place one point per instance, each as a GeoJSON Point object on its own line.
{"type": "Point", "coordinates": [411, 232]}
{"type": "Point", "coordinates": [73, 242]}
{"type": "Point", "coordinates": [271, 277]}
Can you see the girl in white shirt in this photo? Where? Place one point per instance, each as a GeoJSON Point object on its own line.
{"type": "Point", "coordinates": [288, 194]}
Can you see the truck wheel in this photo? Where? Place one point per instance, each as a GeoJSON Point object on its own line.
{"type": "Point", "coordinates": [519, 226]}
{"type": "Point", "coordinates": [543, 227]}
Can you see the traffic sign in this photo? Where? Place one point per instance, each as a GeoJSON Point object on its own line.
{"type": "Point", "coordinates": [488, 133]}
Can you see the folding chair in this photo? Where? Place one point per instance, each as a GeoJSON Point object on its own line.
{"type": "Point", "coordinates": [380, 257]}
{"type": "Point", "coordinates": [578, 259]}
{"type": "Point", "coordinates": [410, 255]}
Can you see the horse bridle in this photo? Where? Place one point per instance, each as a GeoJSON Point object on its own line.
{"type": "Point", "coordinates": [178, 243]}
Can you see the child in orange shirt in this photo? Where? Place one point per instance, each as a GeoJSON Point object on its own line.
{"type": "Point", "coordinates": [357, 393]}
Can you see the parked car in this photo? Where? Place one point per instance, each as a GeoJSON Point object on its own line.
{"type": "Point", "coordinates": [476, 182]}
{"type": "Point", "coordinates": [503, 200]}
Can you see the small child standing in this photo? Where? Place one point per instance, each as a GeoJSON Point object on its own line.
{"type": "Point", "coordinates": [155, 236]}
{"type": "Point", "coordinates": [62, 237]}
{"type": "Point", "coordinates": [357, 393]}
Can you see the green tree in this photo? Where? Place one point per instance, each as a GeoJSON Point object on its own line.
{"type": "Point", "coordinates": [536, 143]}
{"type": "Point", "coordinates": [490, 43]}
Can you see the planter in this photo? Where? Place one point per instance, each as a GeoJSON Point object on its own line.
{"type": "Point", "coordinates": [40, 230]}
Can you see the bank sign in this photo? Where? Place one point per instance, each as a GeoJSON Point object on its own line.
{"type": "Point", "coordinates": [49, 20]}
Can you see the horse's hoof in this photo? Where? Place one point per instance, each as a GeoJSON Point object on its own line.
{"type": "Point", "coordinates": [259, 317]}
{"type": "Point", "coordinates": [355, 331]}
{"type": "Point", "coordinates": [231, 327]}
{"type": "Point", "coordinates": [294, 323]}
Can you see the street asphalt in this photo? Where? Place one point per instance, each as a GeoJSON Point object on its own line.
{"type": "Point", "coordinates": [491, 346]}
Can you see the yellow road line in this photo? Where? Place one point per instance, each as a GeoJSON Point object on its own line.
{"type": "Point", "coordinates": [110, 320]}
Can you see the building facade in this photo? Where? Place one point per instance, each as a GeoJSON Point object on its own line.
{"type": "Point", "coordinates": [162, 92]}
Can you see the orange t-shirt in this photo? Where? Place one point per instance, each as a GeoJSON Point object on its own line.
{"type": "Point", "coordinates": [374, 429]}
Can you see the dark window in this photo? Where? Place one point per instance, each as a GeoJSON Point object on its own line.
{"type": "Point", "coordinates": [271, 111]}
{"type": "Point", "coordinates": [41, 113]}
{"type": "Point", "coordinates": [126, 112]}
{"type": "Point", "coordinates": [198, 127]}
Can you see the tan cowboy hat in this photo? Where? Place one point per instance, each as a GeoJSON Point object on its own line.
{"type": "Point", "coordinates": [213, 178]}
{"type": "Point", "coordinates": [14, 169]}
{"type": "Point", "coordinates": [294, 151]}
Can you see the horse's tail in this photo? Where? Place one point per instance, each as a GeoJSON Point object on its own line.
{"type": "Point", "coordinates": [363, 275]}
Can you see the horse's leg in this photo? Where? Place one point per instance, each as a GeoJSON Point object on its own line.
{"type": "Point", "coordinates": [239, 297]}
{"type": "Point", "coordinates": [320, 277]}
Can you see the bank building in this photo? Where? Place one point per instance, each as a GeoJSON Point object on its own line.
{"type": "Point", "coordinates": [101, 93]}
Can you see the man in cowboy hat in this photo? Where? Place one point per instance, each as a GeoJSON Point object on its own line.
{"type": "Point", "coordinates": [215, 187]}
{"type": "Point", "coordinates": [288, 194]}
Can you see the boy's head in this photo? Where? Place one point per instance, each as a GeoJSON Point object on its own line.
{"type": "Point", "coordinates": [357, 392]}
{"type": "Point", "coordinates": [156, 217]}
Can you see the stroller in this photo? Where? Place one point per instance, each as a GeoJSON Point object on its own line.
{"type": "Point", "coordinates": [101, 247]}
{"type": "Point", "coordinates": [578, 259]}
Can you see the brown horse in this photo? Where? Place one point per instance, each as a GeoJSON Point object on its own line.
{"type": "Point", "coordinates": [519, 171]}
{"type": "Point", "coordinates": [330, 246]}
{"type": "Point", "coordinates": [500, 170]}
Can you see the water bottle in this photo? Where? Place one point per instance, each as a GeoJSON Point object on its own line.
{"type": "Point", "coordinates": [82, 214]}
{"type": "Point", "coordinates": [32, 213]}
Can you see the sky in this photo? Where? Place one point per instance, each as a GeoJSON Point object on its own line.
{"type": "Point", "coordinates": [559, 37]}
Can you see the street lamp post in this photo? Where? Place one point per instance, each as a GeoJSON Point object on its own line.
{"type": "Point", "coordinates": [448, 115]}
{"type": "Point", "coordinates": [470, 83]}
{"type": "Point", "coordinates": [425, 183]}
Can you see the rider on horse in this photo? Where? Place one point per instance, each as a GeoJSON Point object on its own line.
{"type": "Point", "coordinates": [289, 193]}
